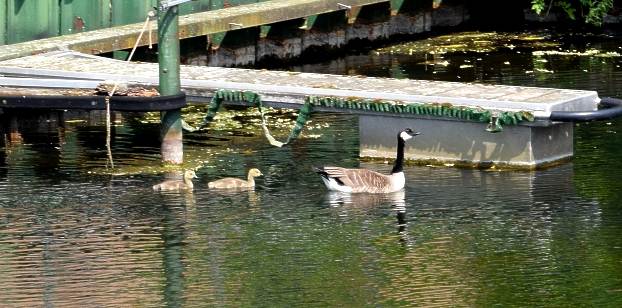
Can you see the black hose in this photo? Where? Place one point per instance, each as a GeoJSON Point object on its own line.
{"type": "Point", "coordinates": [609, 108]}
{"type": "Point", "coordinates": [117, 103]}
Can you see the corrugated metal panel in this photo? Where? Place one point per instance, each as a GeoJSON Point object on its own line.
{"type": "Point", "coordinates": [84, 15]}
{"type": "Point", "coordinates": [216, 4]}
{"type": "Point", "coordinates": [30, 20]}
{"type": "Point", "coordinates": [24, 20]}
{"type": "Point", "coordinates": [230, 3]}
{"type": "Point", "coordinates": [219, 4]}
{"type": "Point", "coordinates": [2, 22]}
{"type": "Point", "coordinates": [127, 12]}
{"type": "Point", "coordinates": [195, 6]}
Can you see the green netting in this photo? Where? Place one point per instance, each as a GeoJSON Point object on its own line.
{"type": "Point", "coordinates": [303, 116]}
{"type": "Point", "coordinates": [254, 100]}
{"type": "Point", "coordinates": [495, 119]}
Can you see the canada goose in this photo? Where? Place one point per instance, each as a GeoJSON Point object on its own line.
{"type": "Point", "coordinates": [185, 184]}
{"type": "Point", "coordinates": [368, 181]}
{"type": "Point", "coordinates": [236, 183]}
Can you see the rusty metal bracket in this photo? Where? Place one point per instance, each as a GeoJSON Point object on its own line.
{"type": "Point", "coordinates": [353, 14]}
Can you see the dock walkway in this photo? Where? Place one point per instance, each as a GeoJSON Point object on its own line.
{"type": "Point", "coordinates": [288, 89]}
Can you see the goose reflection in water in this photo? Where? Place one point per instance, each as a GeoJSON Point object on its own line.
{"type": "Point", "coordinates": [239, 194]}
{"type": "Point", "coordinates": [368, 202]}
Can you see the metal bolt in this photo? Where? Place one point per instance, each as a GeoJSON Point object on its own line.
{"type": "Point", "coordinates": [233, 25]}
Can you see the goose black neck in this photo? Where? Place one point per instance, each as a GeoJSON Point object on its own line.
{"type": "Point", "coordinates": [398, 166]}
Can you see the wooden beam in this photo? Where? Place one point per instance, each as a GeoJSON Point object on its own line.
{"type": "Point", "coordinates": [192, 25]}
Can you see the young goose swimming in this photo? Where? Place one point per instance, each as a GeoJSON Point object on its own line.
{"type": "Point", "coordinates": [236, 183]}
{"type": "Point", "coordinates": [363, 180]}
{"type": "Point", "coordinates": [185, 184]}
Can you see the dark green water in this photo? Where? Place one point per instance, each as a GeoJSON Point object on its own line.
{"type": "Point", "coordinates": [71, 235]}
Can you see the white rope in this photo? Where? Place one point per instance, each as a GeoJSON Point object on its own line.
{"type": "Point", "coordinates": [146, 25]}
{"type": "Point", "coordinates": [266, 131]}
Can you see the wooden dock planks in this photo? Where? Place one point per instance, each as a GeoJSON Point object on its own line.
{"type": "Point", "coordinates": [288, 89]}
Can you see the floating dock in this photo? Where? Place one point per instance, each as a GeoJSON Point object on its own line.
{"type": "Point", "coordinates": [448, 136]}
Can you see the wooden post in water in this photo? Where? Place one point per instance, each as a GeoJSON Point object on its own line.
{"type": "Point", "coordinates": [168, 57]}
{"type": "Point", "coordinates": [15, 137]}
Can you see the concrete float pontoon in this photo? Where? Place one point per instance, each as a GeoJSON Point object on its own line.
{"type": "Point", "coordinates": [527, 145]}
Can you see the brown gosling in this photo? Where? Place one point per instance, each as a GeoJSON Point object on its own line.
{"type": "Point", "coordinates": [185, 184]}
{"type": "Point", "coordinates": [228, 183]}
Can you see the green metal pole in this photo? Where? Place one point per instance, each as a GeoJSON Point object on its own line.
{"type": "Point", "coordinates": [168, 58]}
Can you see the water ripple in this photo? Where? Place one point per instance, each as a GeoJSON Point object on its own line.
{"type": "Point", "coordinates": [75, 234]}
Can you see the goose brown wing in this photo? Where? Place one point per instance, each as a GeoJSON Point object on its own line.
{"type": "Point", "coordinates": [361, 180]}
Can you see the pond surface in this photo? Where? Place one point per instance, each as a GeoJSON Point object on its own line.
{"type": "Point", "coordinates": [72, 234]}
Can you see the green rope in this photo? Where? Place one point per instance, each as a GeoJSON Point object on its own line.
{"type": "Point", "coordinates": [212, 109]}
{"type": "Point", "coordinates": [254, 100]}
{"type": "Point", "coordinates": [303, 116]}
{"type": "Point", "coordinates": [495, 119]}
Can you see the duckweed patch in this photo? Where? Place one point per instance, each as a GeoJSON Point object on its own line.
{"type": "Point", "coordinates": [480, 42]}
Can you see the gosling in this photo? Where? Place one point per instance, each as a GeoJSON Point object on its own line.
{"type": "Point", "coordinates": [185, 184]}
{"type": "Point", "coordinates": [228, 183]}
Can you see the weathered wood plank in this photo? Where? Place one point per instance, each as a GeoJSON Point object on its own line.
{"type": "Point", "coordinates": [192, 25]}
{"type": "Point", "coordinates": [289, 88]}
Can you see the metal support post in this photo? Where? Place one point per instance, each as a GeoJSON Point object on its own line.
{"type": "Point", "coordinates": [168, 58]}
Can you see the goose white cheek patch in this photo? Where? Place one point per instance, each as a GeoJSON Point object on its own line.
{"type": "Point", "coordinates": [405, 135]}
